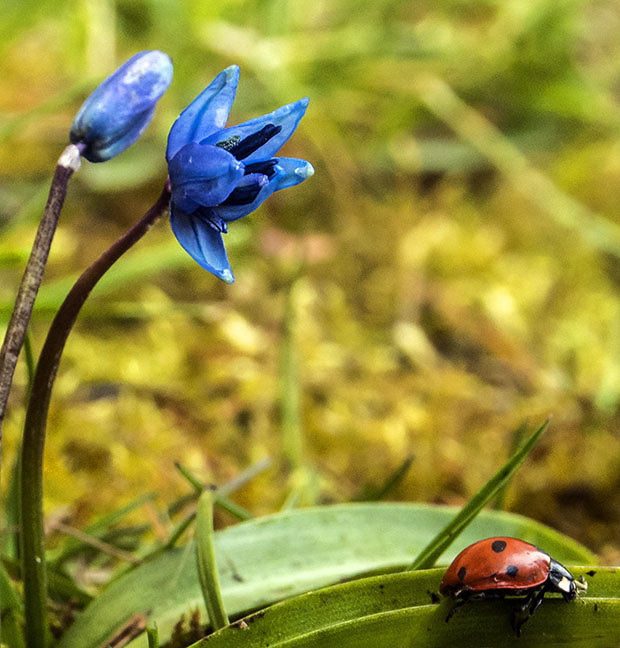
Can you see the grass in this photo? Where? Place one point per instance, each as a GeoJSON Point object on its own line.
{"type": "Point", "coordinates": [454, 253]}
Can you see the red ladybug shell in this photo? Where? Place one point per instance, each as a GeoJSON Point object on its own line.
{"type": "Point", "coordinates": [496, 564]}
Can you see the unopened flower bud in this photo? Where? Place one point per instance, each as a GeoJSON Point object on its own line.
{"type": "Point", "coordinates": [121, 107]}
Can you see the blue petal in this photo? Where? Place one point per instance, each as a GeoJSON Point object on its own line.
{"type": "Point", "coordinates": [206, 114]}
{"type": "Point", "coordinates": [287, 173]}
{"type": "Point", "coordinates": [229, 213]}
{"type": "Point", "coordinates": [202, 242]}
{"type": "Point", "coordinates": [287, 117]}
{"type": "Point", "coordinates": [295, 171]}
{"type": "Point", "coordinates": [203, 176]}
{"type": "Point", "coordinates": [121, 107]}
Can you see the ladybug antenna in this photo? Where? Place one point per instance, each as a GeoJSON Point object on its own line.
{"type": "Point", "coordinates": [581, 585]}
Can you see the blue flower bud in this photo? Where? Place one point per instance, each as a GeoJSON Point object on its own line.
{"type": "Point", "coordinates": [121, 107]}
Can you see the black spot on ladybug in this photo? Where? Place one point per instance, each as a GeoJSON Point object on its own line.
{"type": "Point", "coordinates": [592, 572]}
{"type": "Point", "coordinates": [512, 570]}
{"type": "Point", "coordinates": [498, 546]}
{"type": "Point", "coordinates": [462, 573]}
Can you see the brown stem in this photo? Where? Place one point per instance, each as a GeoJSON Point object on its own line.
{"type": "Point", "coordinates": [34, 572]}
{"type": "Point", "coordinates": [68, 162]}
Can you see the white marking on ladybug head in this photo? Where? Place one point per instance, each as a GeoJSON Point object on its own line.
{"type": "Point", "coordinates": [565, 585]}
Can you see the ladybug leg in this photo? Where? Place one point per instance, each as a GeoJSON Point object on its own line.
{"type": "Point", "coordinates": [458, 604]}
{"type": "Point", "coordinates": [524, 612]}
{"type": "Point", "coordinates": [537, 600]}
{"type": "Point", "coordinates": [465, 597]}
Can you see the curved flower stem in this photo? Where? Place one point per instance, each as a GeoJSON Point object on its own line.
{"type": "Point", "coordinates": [32, 534]}
{"type": "Point", "coordinates": [68, 163]}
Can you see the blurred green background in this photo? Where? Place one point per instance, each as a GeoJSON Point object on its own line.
{"type": "Point", "coordinates": [451, 270]}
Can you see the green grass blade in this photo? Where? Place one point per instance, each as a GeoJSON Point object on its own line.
{"type": "Point", "coordinates": [99, 529]}
{"type": "Point", "coordinates": [206, 563]}
{"type": "Point", "coordinates": [153, 636]}
{"type": "Point", "coordinates": [375, 493]}
{"type": "Point", "coordinates": [429, 555]}
{"type": "Point", "coordinates": [11, 612]}
{"type": "Point", "coordinates": [220, 499]}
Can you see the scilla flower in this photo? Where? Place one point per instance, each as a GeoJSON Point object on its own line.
{"type": "Point", "coordinates": [119, 109]}
{"type": "Point", "coordinates": [219, 175]}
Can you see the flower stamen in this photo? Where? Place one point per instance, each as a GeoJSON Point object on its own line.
{"type": "Point", "coordinates": [246, 191]}
{"type": "Point", "coordinates": [268, 167]}
{"type": "Point", "coordinates": [229, 143]}
{"type": "Point", "coordinates": [253, 142]}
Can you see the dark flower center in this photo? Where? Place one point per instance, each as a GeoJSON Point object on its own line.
{"type": "Point", "coordinates": [244, 194]}
{"type": "Point", "coordinates": [241, 196]}
{"type": "Point", "coordinates": [241, 148]}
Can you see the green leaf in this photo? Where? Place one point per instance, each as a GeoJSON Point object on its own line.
{"type": "Point", "coordinates": [405, 610]}
{"type": "Point", "coordinates": [271, 558]}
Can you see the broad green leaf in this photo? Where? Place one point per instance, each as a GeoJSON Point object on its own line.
{"type": "Point", "coordinates": [404, 609]}
{"type": "Point", "coordinates": [275, 557]}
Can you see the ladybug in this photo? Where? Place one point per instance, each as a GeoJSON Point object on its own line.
{"type": "Point", "coordinates": [499, 567]}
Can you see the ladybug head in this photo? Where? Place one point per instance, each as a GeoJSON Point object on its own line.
{"type": "Point", "coordinates": [562, 581]}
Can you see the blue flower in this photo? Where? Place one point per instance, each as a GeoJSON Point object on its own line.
{"type": "Point", "coordinates": [121, 107]}
{"type": "Point", "coordinates": [219, 174]}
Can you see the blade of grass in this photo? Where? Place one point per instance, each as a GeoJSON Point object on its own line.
{"type": "Point", "coordinates": [186, 473]}
{"type": "Point", "coordinates": [153, 636]}
{"type": "Point", "coordinates": [11, 612]}
{"type": "Point", "coordinates": [245, 476]}
{"type": "Point", "coordinates": [11, 539]}
{"type": "Point", "coordinates": [60, 585]}
{"type": "Point", "coordinates": [221, 500]}
{"type": "Point", "coordinates": [302, 476]}
{"type": "Point", "coordinates": [441, 100]}
{"type": "Point", "coordinates": [517, 440]}
{"type": "Point", "coordinates": [376, 493]}
{"type": "Point", "coordinates": [95, 543]}
{"type": "Point", "coordinates": [205, 558]}
{"type": "Point", "coordinates": [175, 535]}
{"type": "Point", "coordinates": [238, 512]}
{"type": "Point", "coordinates": [98, 530]}
{"type": "Point", "coordinates": [226, 489]}
{"type": "Point", "coordinates": [429, 555]}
